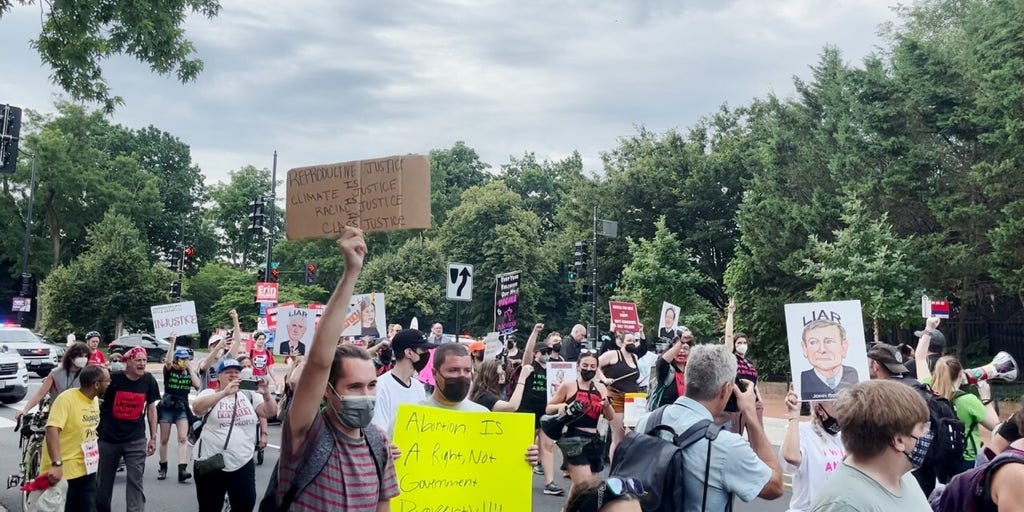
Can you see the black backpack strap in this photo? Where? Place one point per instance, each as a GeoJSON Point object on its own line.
{"type": "Point", "coordinates": [378, 451]}
{"type": "Point", "coordinates": [703, 429]}
{"type": "Point", "coordinates": [655, 425]}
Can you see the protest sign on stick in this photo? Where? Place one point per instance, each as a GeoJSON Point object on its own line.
{"type": "Point", "coordinates": [624, 316]}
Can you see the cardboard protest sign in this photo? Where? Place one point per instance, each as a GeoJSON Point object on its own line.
{"type": "Point", "coordinates": [455, 460]}
{"type": "Point", "coordinates": [294, 331]}
{"type": "Point", "coordinates": [624, 316]}
{"type": "Point", "coordinates": [179, 318]}
{"type": "Point", "coordinates": [383, 194]}
{"type": "Point", "coordinates": [827, 351]}
{"type": "Point", "coordinates": [366, 316]}
{"type": "Point", "coordinates": [669, 321]}
{"type": "Point", "coordinates": [634, 407]}
{"type": "Point", "coordinates": [506, 302]}
{"type": "Point", "coordinates": [492, 346]}
{"type": "Point", "coordinates": [557, 373]}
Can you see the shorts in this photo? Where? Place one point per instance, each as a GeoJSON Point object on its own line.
{"type": "Point", "coordinates": [583, 450]}
{"type": "Point", "coordinates": [171, 414]}
{"type": "Point", "coordinates": [618, 402]}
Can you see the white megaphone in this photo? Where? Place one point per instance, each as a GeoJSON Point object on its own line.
{"type": "Point", "coordinates": [1002, 367]}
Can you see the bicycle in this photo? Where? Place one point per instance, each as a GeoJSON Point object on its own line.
{"type": "Point", "coordinates": [32, 431]}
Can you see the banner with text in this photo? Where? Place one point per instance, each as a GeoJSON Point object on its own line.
{"type": "Point", "coordinates": [179, 318]}
{"type": "Point", "coordinates": [383, 194]}
{"type": "Point", "coordinates": [454, 460]}
{"type": "Point", "coordinates": [506, 302]}
{"type": "Point", "coordinates": [624, 316]}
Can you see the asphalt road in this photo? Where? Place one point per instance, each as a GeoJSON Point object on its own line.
{"type": "Point", "coordinates": [171, 496]}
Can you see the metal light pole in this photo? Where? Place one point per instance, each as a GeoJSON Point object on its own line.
{"type": "Point", "coordinates": [593, 282]}
{"type": "Point", "coordinates": [26, 278]}
{"type": "Point", "coordinates": [273, 203]}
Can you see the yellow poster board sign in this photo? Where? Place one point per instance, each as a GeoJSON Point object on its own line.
{"type": "Point", "coordinates": [455, 460]}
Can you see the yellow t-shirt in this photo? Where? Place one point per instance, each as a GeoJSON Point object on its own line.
{"type": "Point", "coordinates": [77, 417]}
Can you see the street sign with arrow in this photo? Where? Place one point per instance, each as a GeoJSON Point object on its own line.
{"type": "Point", "coordinates": [459, 282]}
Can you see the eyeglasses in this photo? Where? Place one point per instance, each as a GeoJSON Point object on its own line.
{"type": "Point", "coordinates": [588, 351]}
{"type": "Point", "coordinates": [619, 488]}
{"type": "Point", "coordinates": [546, 351]}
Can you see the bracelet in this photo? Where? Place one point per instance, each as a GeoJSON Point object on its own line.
{"type": "Point", "coordinates": [986, 401]}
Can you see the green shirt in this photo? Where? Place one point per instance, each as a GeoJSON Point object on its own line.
{"type": "Point", "coordinates": [971, 412]}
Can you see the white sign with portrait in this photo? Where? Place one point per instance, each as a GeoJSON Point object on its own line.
{"type": "Point", "coordinates": [827, 351]}
{"type": "Point", "coordinates": [294, 333]}
{"type": "Point", "coordinates": [668, 321]}
{"type": "Point", "coordinates": [559, 372]}
{"type": "Point", "coordinates": [366, 316]}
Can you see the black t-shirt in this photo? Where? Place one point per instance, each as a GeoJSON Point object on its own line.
{"type": "Point", "coordinates": [535, 396]}
{"type": "Point", "coordinates": [671, 392]}
{"type": "Point", "coordinates": [177, 382]}
{"type": "Point", "coordinates": [123, 411]}
{"type": "Point", "coordinates": [487, 400]}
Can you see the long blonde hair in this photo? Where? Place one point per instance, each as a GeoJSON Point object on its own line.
{"type": "Point", "coordinates": [946, 377]}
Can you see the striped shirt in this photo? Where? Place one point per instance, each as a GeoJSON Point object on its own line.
{"type": "Point", "coordinates": [349, 480]}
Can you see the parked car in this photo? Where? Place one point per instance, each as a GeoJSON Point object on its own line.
{"type": "Point", "coordinates": [39, 357]}
{"type": "Point", "coordinates": [59, 347]}
{"type": "Point", "coordinates": [13, 377]}
{"type": "Point", "coordinates": [155, 349]}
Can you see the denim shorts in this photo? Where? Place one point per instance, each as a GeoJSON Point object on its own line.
{"type": "Point", "coordinates": [170, 414]}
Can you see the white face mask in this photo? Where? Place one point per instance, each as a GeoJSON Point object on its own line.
{"type": "Point", "coordinates": [741, 349]}
{"type": "Point", "coordinates": [80, 362]}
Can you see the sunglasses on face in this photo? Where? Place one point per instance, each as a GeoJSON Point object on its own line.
{"type": "Point", "coordinates": [545, 351]}
{"type": "Point", "coordinates": [618, 488]}
{"type": "Point", "coordinates": [588, 351]}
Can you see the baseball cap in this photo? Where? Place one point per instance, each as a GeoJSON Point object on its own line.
{"type": "Point", "coordinates": [937, 342]}
{"type": "Point", "coordinates": [181, 353]}
{"type": "Point", "coordinates": [888, 356]}
{"type": "Point", "coordinates": [477, 346]}
{"type": "Point", "coordinates": [410, 338]}
{"type": "Point", "coordinates": [214, 339]}
{"type": "Point", "coordinates": [228, 364]}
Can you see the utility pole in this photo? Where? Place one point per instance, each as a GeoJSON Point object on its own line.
{"type": "Point", "coordinates": [272, 201]}
{"type": "Point", "coordinates": [26, 278]}
{"type": "Point", "coordinates": [593, 284]}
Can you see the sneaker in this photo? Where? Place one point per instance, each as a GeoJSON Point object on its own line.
{"type": "Point", "coordinates": [537, 470]}
{"type": "Point", "coordinates": [553, 490]}
{"type": "Point", "coordinates": [161, 474]}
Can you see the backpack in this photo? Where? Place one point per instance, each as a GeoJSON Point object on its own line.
{"type": "Point", "coordinates": [970, 491]}
{"type": "Point", "coordinates": [969, 434]}
{"type": "Point", "coordinates": [314, 462]}
{"type": "Point", "coordinates": [658, 463]}
{"type": "Point", "coordinates": [654, 399]}
{"type": "Point", "coordinates": [947, 449]}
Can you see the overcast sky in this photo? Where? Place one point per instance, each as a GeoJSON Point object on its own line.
{"type": "Point", "coordinates": [325, 81]}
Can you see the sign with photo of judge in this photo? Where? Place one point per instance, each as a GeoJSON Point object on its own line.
{"type": "Point", "coordinates": [827, 351]}
{"type": "Point", "coordinates": [294, 330]}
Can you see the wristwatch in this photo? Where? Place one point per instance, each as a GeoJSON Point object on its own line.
{"type": "Point", "coordinates": [57, 463]}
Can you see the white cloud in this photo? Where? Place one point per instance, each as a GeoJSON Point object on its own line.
{"type": "Point", "coordinates": [321, 80]}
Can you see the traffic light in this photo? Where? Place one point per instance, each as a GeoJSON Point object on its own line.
{"type": "Point", "coordinates": [572, 274]}
{"type": "Point", "coordinates": [190, 253]}
{"type": "Point", "coordinates": [274, 274]}
{"type": "Point", "coordinates": [261, 275]}
{"type": "Point", "coordinates": [310, 273]}
{"type": "Point", "coordinates": [10, 128]}
{"type": "Point", "coordinates": [256, 216]}
{"type": "Point", "coordinates": [588, 293]}
{"type": "Point", "coordinates": [176, 289]}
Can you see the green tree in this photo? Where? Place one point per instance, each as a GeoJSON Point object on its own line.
{"type": "Point", "coordinates": [412, 279]}
{"type": "Point", "coordinates": [491, 230]}
{"type": "Point", "coordinates": [76, 37]}
{"type": "Point", "coordinates": [865, 261]}
{"type": "Point", "coordinates": [452, 171]}
{"type": "Point", "coordinates": [660, 270]}
{"type": "Point", "coordinates": [109, 287]}
{"type": "Point", "coordinates": [229, 215]}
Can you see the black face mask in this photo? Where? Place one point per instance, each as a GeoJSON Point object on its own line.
{"type": "Point", "coordinates": [631, 348]}
{"type": "Point", "coordinates": [556, 347]}
{"type": "Point", "coordinates": [588, 375]}
{"type": "Point", "coordinates": [830, 424]}
{"type": "Point", "coordinates": [422, 363]}
{"type": "Point", "coordinates": [455, 389]}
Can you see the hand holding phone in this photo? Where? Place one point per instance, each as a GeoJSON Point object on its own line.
{"type": "Point", "coordinates": [248, 385]}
